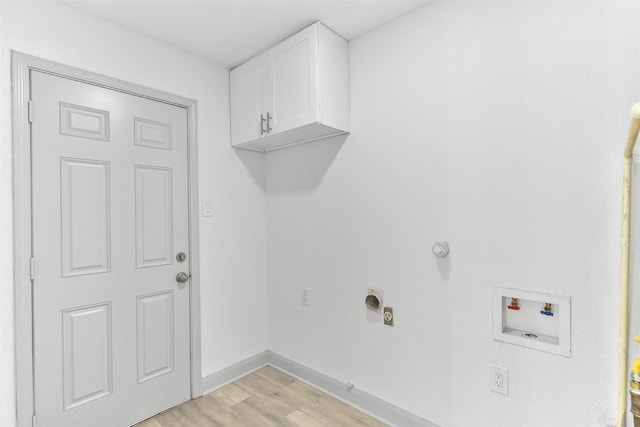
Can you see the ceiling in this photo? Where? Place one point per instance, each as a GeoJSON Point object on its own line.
{"type": "Point", "coordinates": [230, 32]}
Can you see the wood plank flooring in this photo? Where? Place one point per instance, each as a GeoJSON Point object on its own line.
{"type": "Point", "coordinates": [267, 397]}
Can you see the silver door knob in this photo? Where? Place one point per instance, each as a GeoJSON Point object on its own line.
{"type": "Point", "coordinates": [182, 277]}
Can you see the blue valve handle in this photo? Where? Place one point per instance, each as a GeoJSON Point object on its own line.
{"type": "Point", "coordinates": [546, 313]}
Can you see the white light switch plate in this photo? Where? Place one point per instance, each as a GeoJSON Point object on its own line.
{"type": "Point", "coordinates": [207, 208]}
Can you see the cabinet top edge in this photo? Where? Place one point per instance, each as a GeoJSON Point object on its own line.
{"type": "Point", "coordinates": [317, 23]}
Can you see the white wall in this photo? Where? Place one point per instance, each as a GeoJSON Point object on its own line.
{"type": "Point", "coordinates": [233, 244]}
{"type": "Point", "coordinates": [496, 126]}
{"type": "Point", "coordinates": [499, 127]}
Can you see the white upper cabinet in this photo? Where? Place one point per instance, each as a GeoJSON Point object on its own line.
{"type": "Point", "coordinates": [248, 101]}
{"type": "Point", "coordinates": [292, 95]}
{"type": "Point", "coordinates": [298, 91]}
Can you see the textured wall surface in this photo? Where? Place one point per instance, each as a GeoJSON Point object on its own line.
{"type": "Point", "coordinates": [499, 127]}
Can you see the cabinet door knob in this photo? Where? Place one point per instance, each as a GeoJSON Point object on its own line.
{"type": "Point", "coordinates": [262, 123]}
{"type": "Point", "coordinates": [269, 118]}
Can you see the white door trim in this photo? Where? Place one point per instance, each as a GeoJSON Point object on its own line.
{"type": "Point", "coordinates": [22, 64]}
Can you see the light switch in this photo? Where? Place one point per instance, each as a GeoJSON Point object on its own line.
{"type": "Point", "coordinates": [207, 208]}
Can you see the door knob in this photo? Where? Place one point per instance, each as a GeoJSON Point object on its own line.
{"type": "Point", "coordinates": [182, 277]}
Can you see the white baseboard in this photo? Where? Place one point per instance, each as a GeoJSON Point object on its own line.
{"type": "Point", "coordinates": [361, 400]}
{"type": "Point", "coordinates": [238, 370]}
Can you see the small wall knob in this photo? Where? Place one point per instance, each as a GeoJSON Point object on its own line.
{"type": "Point", "coordinates": [440, 249]}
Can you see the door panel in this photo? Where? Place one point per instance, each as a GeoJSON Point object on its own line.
{"type": "Point", "coordinates": [110, 208]}
{"type": "Point", "coordinates": [155, 335]}
{"type": "Point", "coordinates": [154, 208]}
{"type": "Point", "coordinates": [84, 122]}
{"type": "Point", "coordinates": [152, 134]}
{"type": "Point", "coordinates": [86, 217]}
{"type": "Point", "coordinates": [88, 373]}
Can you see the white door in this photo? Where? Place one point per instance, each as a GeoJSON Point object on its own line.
{"type": "Point", "coordinates": [110, 214]}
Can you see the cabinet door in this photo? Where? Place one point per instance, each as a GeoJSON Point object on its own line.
{"type": "Point", "coordinates": [247, 92]}
{"type": "Point", "coordinates": [293, 77]}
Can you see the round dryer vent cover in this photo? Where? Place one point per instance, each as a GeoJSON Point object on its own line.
{"type": "Point", "coordinates": [373, 300]}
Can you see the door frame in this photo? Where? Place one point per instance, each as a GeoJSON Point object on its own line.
{"type": "Point", "coordinates": [21, 66]}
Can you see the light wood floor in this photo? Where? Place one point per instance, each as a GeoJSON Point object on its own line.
{"type": "Point", "coordinates": [267, 397]}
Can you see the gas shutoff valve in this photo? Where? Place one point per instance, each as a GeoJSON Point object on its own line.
{"type": "Point", "coordinates": [440, 249]}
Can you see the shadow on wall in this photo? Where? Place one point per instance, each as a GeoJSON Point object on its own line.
{"type": "Point", "coordinates": [444, 266]}
{"type": "Point", "coordinates": [302, 167]}
{"type": "Point", "coordinates": [253, 161]}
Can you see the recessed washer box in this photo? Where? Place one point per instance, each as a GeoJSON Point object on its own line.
{"type": "Point", "coordinates": [538, 320]}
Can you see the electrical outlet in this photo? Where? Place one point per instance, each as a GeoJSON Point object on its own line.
{"type": "Point", "coordinates": [304, 297]}
{"type": "Point", "coordinates": [388, 316]}
{"type": "Point", "coordinates": [499, 379]}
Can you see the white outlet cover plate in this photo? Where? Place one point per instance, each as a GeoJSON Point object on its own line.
{"type": "Point", "coordinates": [501, 386]}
